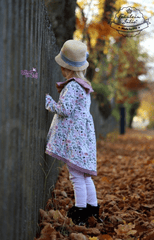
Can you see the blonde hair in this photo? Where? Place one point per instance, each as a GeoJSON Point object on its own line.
{"type": "Point", "coordinates": [81, 74]}
{"type": "Point", "coordinates": [78, 74]}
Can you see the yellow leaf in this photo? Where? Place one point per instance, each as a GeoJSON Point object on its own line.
{"type": "Point", "coordinates": [77, 34]}
{"type": "Point", "coordinates": [137, 5]}
{"type": "Point", "coordinates": [149, 137]}
{"type": "Point", "coordinates": [151, 12]}
{"type": "Point", "coordinates": [119, 4]}
{"type": "Point", "coordinates": [93, 238]}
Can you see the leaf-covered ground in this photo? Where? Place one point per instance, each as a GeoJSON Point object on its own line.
{"type": "Point", "coordinates": [125, 192]}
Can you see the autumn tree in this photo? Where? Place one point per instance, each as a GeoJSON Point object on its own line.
{"type": "Point", "coordinates": [126, 77]}
{"type": "Point", "coordinates": [112, 63]}
{"type": "Point", "coordinates": [146, 109]}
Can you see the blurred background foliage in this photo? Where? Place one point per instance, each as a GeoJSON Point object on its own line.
{"type": "Point", "coordinates": [115, 62]}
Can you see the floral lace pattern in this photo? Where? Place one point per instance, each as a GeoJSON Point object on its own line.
{"type": "Point", "coordinates": [72, 135]}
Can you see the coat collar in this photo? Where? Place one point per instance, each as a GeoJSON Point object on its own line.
{"type": "Point", "coordinates": [87, 87]}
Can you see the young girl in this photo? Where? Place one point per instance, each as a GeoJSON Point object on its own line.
{"type": "Point", "coordinates": [71, 137]}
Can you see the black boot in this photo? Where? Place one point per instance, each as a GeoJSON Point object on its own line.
{"type": "Point", "coordinates": [79, 215]}
{"type": "Point", "coordinates": [94, 211]}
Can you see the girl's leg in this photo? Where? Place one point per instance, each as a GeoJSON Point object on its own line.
{"type": "Point", "coordinates": [80, 191]}
{"type": "Point", "coordinates": [91, 191]}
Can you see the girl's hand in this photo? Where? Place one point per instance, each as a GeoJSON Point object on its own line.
{"type": "Point", "coordinates": [48, 99]}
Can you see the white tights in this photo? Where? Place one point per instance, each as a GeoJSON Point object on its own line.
{"type": "Point", "coordinates": [84, 188]}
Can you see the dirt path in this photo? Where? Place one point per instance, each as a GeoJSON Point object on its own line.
{"type": "Point", "coordinates": [125, 192]}
{"type": "Point", "coordinates": [140, 132]}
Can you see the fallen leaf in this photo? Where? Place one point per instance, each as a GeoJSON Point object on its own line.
{"type": "Point", "coordinates": [124, 186]}
{"type": "Point", "coordinates": [44, 215]}
{"type": "Point", "coordinates": [125, 229]}
{"type": "Point", "coordinates": [105, 179]}
{"type": "Point", "coordinates": [55, 214]}
{"type": "Point", "coordinates": [48, 233]}
{"type": "Point", "coordinates": [77, 236]}
{"type": "Point", "coordinates": [93, 238]}
{"type": "Point", "coordinates": [105, 237]}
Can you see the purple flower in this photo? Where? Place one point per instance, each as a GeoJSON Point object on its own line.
{"type": "Point", "coordinates": [27, 75]}
{"type": "Point", "coordinates": [25, 72]}
{"type": "Point", "coordinates": [35, 75]}
{"type": "Point", "coordinates": [31, 71]}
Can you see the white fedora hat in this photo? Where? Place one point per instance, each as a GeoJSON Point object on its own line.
{"type": "Point", "coordinates": [73, 56]}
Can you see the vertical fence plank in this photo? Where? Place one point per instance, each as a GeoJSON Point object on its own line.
{"type": "Point", "coordinates": [17, 116]}
{"type": "Point", "coordinates": [24, 122]}
{"type": "Point", "coordinates": [4, 104]}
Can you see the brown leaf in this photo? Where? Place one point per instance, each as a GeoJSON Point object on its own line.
{"type": "Point", "coordinates": [92, 231]}
{"type": "Point", "coordinates": [53, 236]}
{"type": "Point", "coordinates": [148, 205]}
{"type": "Point", "coordinates": [125, 229]}
{"type": "Point", "coordinates": [92, 222]}
{"type": "Point", "coordinates": [110, 197]}
{"type": "Point", "coordinates": [105, 237]}
{"type": "Point", "coordinates": [55, 214]}
{"type": "Point", "coordinates": [78, 236]}
{"type": "Point", "coordinates": [125, 195]}
{"type": "Point", "coordinates": [44, 216]}
{"type": "Point", "coordinates": [47, 232]}
{"type": "Point", "coordinates": [149, 236]}
{"type": "Point", "coordinates": [105, 179]}
{"type": "Point", "coordinates": [77, 228]}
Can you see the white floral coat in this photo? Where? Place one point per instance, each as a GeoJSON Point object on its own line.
{"type": "Point", "coordinates": [71, 137]}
